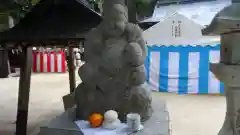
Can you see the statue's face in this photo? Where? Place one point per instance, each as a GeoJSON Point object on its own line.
{"type": "Point", "coordinates": [119, 13]}
{"type": "Point", "coordinates": [115, 20]}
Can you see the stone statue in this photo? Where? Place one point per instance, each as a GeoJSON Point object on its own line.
{"type": "Point", "coordinates": [113, 77]}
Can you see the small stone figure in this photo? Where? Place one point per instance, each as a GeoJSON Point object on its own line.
{"type": "Point", "coordinates": [113, 77]}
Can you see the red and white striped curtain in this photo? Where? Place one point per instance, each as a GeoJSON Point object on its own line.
{"type": "Point", "coordinates": [49, 61]}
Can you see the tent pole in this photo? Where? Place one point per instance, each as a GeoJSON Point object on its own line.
{"type": "Point", "coordinates": [71, 70]}
{"type": "Point", "coordinates": [24, 90]}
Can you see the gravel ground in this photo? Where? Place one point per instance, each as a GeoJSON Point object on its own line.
{"type": "Point", "coordinates": [189, 114]}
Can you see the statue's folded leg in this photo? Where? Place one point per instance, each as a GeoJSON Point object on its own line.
{"type": "Point", "coordinates": [87, 74]}
{"type": "Point", "coordinates": [81, 93]}
{"type": "Point", "coordinates": [90, 101]}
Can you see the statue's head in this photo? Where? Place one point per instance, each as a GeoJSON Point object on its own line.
{"type": "Point", "coordinates": [115, 19]}
{"type": "Point", "coordinates": [116, 12]}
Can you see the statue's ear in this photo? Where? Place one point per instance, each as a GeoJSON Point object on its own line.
{"type": "Point", "coordinates": [126, 8]}
{"type": "Point", "coordinates": [126, 11]}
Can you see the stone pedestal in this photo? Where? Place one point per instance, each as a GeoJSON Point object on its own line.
{"type": "Point", "coordinates": [64, 124]}
{"type": "Point", "coordinates": [68, 101]}
{"type": "Point", "coordinates": [230, 76]}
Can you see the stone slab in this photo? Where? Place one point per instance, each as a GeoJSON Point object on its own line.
{"type": "Point", "coordinates": [158, 124]}
{"type": "Point", "coordinates": [62, 125]}
{"type": "Point", "coordinates": [68, 101]}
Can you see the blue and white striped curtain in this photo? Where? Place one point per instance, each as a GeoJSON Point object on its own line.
{"type": "Point", "coordinates": [183, 69]}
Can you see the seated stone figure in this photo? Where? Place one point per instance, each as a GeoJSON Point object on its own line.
{"type": "Point", "coordinates": [113, 77]}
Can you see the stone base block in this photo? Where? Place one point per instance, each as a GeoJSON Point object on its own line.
{"type": "Point", "coordinates": [158, 124]}
{"type": "Point", "coordinates": [64, 124]}
{"type": "Point", "coordinates": [68, 101]}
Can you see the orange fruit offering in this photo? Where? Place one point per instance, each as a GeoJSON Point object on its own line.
{"type": "Point", "coordinates": [95, 120]}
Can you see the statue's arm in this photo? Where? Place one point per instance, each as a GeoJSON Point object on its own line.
{"type": "Point", "coordinates": [136, 51]}
{"type": "Point", "coordinates": [140, 40]}
{"type": "Point", "coordinates": [88, 50]}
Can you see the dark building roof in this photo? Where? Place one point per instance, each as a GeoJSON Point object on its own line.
{"type": "Point", "coordinates": [146, 25]}
{"type": "Point", "coordinates": [54, 20]}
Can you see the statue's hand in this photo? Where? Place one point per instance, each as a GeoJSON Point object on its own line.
{"type": "Point", "coordinates": [133, 54]}
{"type": "Point", "coordinates": [136, 76]}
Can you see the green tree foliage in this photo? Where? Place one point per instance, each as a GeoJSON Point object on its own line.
{"type": "Point", "coordinates": [6, 5]}
{"type": "Point", "coordinates": [24, 6]}
{"type": "Point", "coordinates": [17, 9]}
{"type": "Point", "coordinates": [6, 8]}
{"type": "Point", "coordinates": [145, 8]}
{"type": "Point", "coordinates": [96, 5]}
{"type": "Point", "coordinates": [4, 25]}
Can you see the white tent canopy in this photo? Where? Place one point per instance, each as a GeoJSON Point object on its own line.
{"type": "Point", "coordinates": [201, 12]}
{"type": "Point", "coordinates": [178, 30]}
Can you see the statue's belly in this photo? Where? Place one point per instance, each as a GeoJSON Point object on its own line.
{"type": "Point", "coordinates": [112, 57]}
